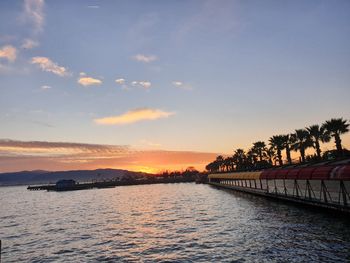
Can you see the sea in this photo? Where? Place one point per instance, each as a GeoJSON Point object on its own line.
{"type": "Point", "coordinates": [183, 222]}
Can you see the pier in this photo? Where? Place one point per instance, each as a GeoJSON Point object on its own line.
{"type": "Point", "coordinates": [326, 187]}
{"type": "Point", "coordinates": [107, 184]}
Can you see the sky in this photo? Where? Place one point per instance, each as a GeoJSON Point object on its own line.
{"type": "Point", "coordinates": [155, 85]}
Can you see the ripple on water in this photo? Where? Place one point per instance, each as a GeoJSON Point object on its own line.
{"type": "Point", "coordinates": [164, 223]}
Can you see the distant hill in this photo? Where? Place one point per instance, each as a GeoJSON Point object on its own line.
{"type": "Point", "coordinates": [46, 177]}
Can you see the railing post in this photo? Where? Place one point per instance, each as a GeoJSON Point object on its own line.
{"type": "Point", "coordinates": [344, 193]}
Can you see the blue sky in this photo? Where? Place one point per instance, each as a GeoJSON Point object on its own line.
{"type": "Point", "coordinates": [206, 76]}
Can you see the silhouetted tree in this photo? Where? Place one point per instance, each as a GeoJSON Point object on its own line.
{"type": "Point", "coordinates": [260, 148]}
{"type": "Point", "coordinates": [271, 154]}
{"type": "Point", "coordinates": [318, 134]}
{"type": "Point", "coordinates": [301, 141]}
{"type": "Point", "coordinates": [277, 143]}
{"type": "Point", "coordinates": [220, 162]}
{"type": "Point", "coordinates": [239, 158]}
{"type": "Point", "coordinates": [336, 127]}
{"type": "Point", "coordinates": [286, 145]}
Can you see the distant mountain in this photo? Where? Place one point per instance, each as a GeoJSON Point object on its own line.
{"type": "Point", "coordinates": [46, 177]}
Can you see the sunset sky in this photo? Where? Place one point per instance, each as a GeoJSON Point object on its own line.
{"type": "Point", "coordinates": [154, 85]}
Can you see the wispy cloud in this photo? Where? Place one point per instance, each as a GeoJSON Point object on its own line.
{"type": "Point", "coordinates": [89, 81]}
{"type": "Point", "coordinates": [133, 116]}
{"type": "Point", "coordinates": [39, 148]}
{"type": "Point", "coordinates": [120, 81]}
{"type": "Point", "coordinates": [32, 155]}
{"type": "Point", "coordinates": [143, 84]}
{"type": "Point", "coordinates": [48, 65]}
{"type": "Point", "coordinates": [93, 6]}
{"type": "Point", "coordinates": [9, 53]}
{"type": "Point", "coordinates": [29, 44]}
{"type": "Point", "coordinates": [46, 87]}
{"type": "Point", "coordinates": [181, 85]}
{"type": "Point", "coordinates": [144, 58]}
{"type": "Point", "coordinates": [34, 13]}
{"type": "Point", "coordinates": [149, 143]}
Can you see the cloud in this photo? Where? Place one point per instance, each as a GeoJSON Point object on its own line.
{"type": "Point", "coordinates": [82, 74]}
{"type": "Point", "coordinates": [93, 6]}
{"type": "Point", "coordinates": [88, 81]}
{"type": "Point", "coordinates": [34, 13]}
{"type": "Point", "coordinates": [133, 116]}
{"type": "Point", "coordinates": [120, 81]}
{"type": "Point", "coordinates": [142, 84]}
{"type": "Point", "coordinates": [54, 156]}
{"type": "Point", "coordinates": [181, 85]}
{"type": "Point", "coordinates": [51, 149]}
{"type": "Point", "coordinates": [45, 87]}
{"type": "Point", "coordinates": [48, 65]}
{"type": "Point", "coordinates": [177, 83]}
{"type": "Point", "coordinates": [29, 44]}
{"type": "Point", "coordinates": [149, 143]}
{"type": "Point", "coordinates": [144, 58]}
{"type": "Point", "coordinates": [8, 52]}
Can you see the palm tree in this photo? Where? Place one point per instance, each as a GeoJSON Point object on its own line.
{"type": "Point", "coordinates": [260, 148]}
{"type": "Point", "coordinates": [239, 158]}
{"type": "Point", "coordinates": [251, 157]}
{"type": "Point", "coordinates": [228, 164]}
{"type": "Point", "coordinates": [213, 167]}
{"type": "Point", "coordinates": [277, 143]}
{"type": "Point", "coordinates": [336, 127]}
{"type": "Point", "coordinates": [231, 163]}
{"type": "Point", "coordinates": [271, 154]}
{"type": "Point", "coordinates": [220, 162]}
{"type": "Point", "coordinates": [286, 145]}
{"type": "Point", "coordinates": [301, 141]}
{"type": "Point", "coordinates": [318, 134]}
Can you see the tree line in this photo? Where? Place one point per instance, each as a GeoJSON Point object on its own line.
{"type": "Point", "coordinates": [262, 155]}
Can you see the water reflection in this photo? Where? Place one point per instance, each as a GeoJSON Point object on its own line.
{"type": "Point", "coordinates": [182, 222]}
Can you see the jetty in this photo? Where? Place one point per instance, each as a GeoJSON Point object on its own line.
{"type": "Point", "coordinates": [320, 185]}
{"type": "Point", "coordinates": [71, 185]}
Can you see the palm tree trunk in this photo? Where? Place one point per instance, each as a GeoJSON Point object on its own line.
{"type": "Point", "coordinates": [338, 144]}
{"type": "Point", "coordinates": [279, 155]}
{"type": "Point", "coordinates": [318, 150]}
{"type": "Point", "coordinates": [302, 154]}
{"type": "Point", "coordinates": [288, 154]}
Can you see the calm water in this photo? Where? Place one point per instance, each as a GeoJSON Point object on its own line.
{"type": "Point", "coordinates": [177, 222]}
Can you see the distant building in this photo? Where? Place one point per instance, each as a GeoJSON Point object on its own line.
{"type": "Point", "coordinates": [65, 183]}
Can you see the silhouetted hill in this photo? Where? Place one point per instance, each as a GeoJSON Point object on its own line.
{"type": "Point", "coordinates": [45, 177]}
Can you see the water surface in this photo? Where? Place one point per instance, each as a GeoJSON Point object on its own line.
{"type": "Point", "coordinates": [165, 222]}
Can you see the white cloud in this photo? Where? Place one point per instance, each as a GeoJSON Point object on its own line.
{"type": "Point", "coordinates": [29, 44]}
{"type": "Point", "coordinates": [45, 87]}
{"type": "Point", "coordinates": [93, 6]}
{"type": "Point", "coordinates": [143, 84]}
{"type": "Point", "coordinates": [8, 52]}
{"type": "Point", "coordinates": [120, 81]}
{"type": "Point", "coordinates": [144, 58]}
{"type": "Point", "coordinates": [82, 74]}
{"type": "Point", "coordinates": [34, 12]}
{"type": "Point", "coordinates": [89, 81]}
{"type": "Point", "coordinates": [133, 116]}
{"type": "Point", "coordinates": [48, 65]}
{"type": "Point", "coordinates": [177, 83]}
{"type": "Point", "coordinates": [181, 85]}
